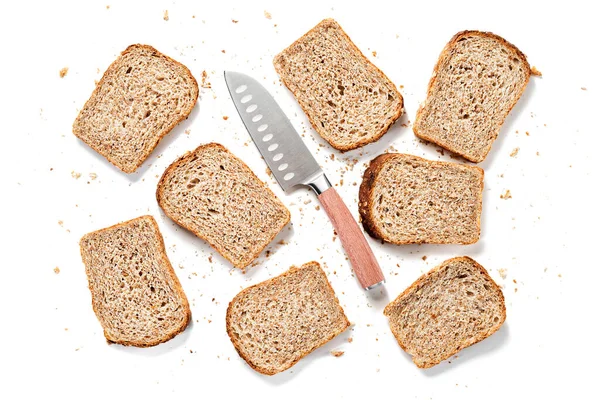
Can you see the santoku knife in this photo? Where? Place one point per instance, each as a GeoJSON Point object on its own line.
{"type": "Point", "coordinates": [292, 164]}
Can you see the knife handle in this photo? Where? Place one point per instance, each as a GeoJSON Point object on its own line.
{"type": "Point", "coordinates": [359, 252]}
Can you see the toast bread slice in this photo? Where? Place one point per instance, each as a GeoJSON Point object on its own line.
{"type": "Point", "coordinates": [347, 99]}
{"type": "Point", "coordinates": [141, 97]}
{"type": "Point", "coordinates": [136, 295]}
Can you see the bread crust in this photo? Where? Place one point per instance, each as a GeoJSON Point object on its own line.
{"type": "Point", "coordinates": [320, 130]}
{"type": "Point", "coordinates": [423, 280]}
{"type": "Point", "coordinates": [177, 286]}
{"type": "Point", "coordinates": [113, 66]}
{"type": "Point", "coordinates": [160, 198]}
{"type": "Point", "coordinates": [443, 56]}
{"type": "Point", "coordinates": [367, 190]}
{"type": "Point", "coordinates": [236, 342]}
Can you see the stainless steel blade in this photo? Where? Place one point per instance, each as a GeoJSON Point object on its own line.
{"type": "Point", "coordinates": [273, 134]}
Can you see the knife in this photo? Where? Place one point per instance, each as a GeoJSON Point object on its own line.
{"type": "Point", "coordinates": [292, 164]}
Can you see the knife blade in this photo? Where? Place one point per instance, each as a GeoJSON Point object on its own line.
{"type": "Point", "coordinates": [292, 164]}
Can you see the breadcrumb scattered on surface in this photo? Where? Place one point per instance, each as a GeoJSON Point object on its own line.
{"type": "Point", "coordinates": [93, 175]}
{"type": "Point", "coordinates": [583, 88]}
{"type": "Point", "coordinates": [502, 273]}
{"type": "Point", "coordinates": [337, 353]}
{"type": "Point", "coordinates": [56, 270]}
{"type": "Point", "coordinates": [514, 152]}
{"type": "Point", "coordinates": [63, 72]}
{"type": "Point", "coordinates": [60, 222]}
{"type": "Point", "coordinates": [235, 21]}
{"type": "Point", "coordinates": [506, 195]}
{"type": "Point", "coordinates": [374, 53]}
{"type": "Point", "coordinates": [424, 258]}
{"type": "Point", "coordinates": [350, 340]}
{"type": "Point", "coordinates": [204, 82]}
{"type": "Point", "coordinates": [535, 71]}
{"type": "Point", "coordinates": [75, 175]}
{"type": "Point", "coordinates": [225, 117]}
{"type": "Point", "coordinates": [267, 15]}
{"type": "Point", "coordinates": [166, 15]}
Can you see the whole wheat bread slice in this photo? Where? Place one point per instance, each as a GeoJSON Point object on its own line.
{"type": "Point", "coordinates": [347, 99]}
{"type": "Point", "coordinates": [453, 306]}
{"type": "Point", "coordinates": [215, 195]}
{"type": "Point", "coordinates": [405, 199]}
{"type": "Point", "coordinates": [277, 322]}
{"type": "Point", "coordinates": [135, 292]}
{"type": "Point", "coordinates": [141, 97]}
{"type": "Point", "coordinates": [476, 82]}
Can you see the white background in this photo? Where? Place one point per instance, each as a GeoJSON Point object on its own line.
{"type": "Point", "coordinates": [544, 236]}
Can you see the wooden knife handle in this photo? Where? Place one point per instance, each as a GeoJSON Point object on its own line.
{"type": "Point", "coordinates": [359, 252]}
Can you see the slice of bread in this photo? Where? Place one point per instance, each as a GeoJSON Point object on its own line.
{"type": "Point", "coordinates": [140, 98]}
{"type": "Point", "coordinates": [405, 199]}
{"type": "Point", "coordinates": [215, 195]}
{"type": "Point", "coordinates": [476, 82]}
{"type": "Point", "coordinates": [277, 322]}
{"type": "Point", "coordinates": [451, 307]}
{"type": "Point", "coordinates": [347, 99]}
{"type": "Point", "coordinates": [135, 292]}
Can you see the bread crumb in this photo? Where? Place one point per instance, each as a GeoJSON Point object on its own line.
{"type": "Point", "coordinates": [317, 207]}
{"type": "Point", "coordinates": [514, 152]}
{"type": "Point", "coordinates": [223, 51]}
{"type": "Point", "coordinates": [307, 201]}
{"type": "Point", "coordinates": [424, 258]}
{"type": "Point", "coordinates": [187, 131]}
{"type": "Point", "coordinates": [502, 273]}
{"type": "Point", "coordinates": [350, 340]}
{"type": "Point", "coordinates": [93, 176]}
{"type": "Point", "coordinates": [235, 21]}
{"type": "Point", "coordinates": [535, 71]}
{"type": "Point", "coordinates": [337, 353]}
{"type": "Point", "coordinates": [583, 88]}
{"type": "Point", "coordinates": [527, 133]}
{"type": "Point", "coordinates": [282, 242]}
{"type": "Point", "coordinates": [225, 117]}
{"type": "Point", "coordinates": [56, 270]}
{"type": "Point", "coordinates": [268, 171]}
{"type": "Point", "coordinates": [374, 53]}
{"type": "Point", "coordinates": [63, 72]}
{"type": "Point", "coordinates": [267, 15]}
{"type": "Point", "coordinates": [204, 82]}
{"type": "Point", "coordinates": [506, 195]}
{"type": "Point", "coordinates": [166, 15]}
{"type": "Point", "coordinates": [75, 175]}
{"type": "Point", "coordinates": [60, 223]}
{"type": "Point", "coordinates": [210, 259]}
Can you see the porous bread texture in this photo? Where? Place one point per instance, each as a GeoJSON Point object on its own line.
{"type": "Point", "coordinates": [347, 99]}
{"type": "Point", "coordinates": [213, 194]}
{"type": "Point", "coordinates": [476, 82]}
{"type": "Point", "coordinates": [453, 306]}
{"type": "Point", "coordinates": [405, 199]}
{"type": "Point", "coordinates": [277, 322]}
{"type": "Point", "coordinates": [141, 97]}
{"type": "Point", "coordinates": [135, 292]}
